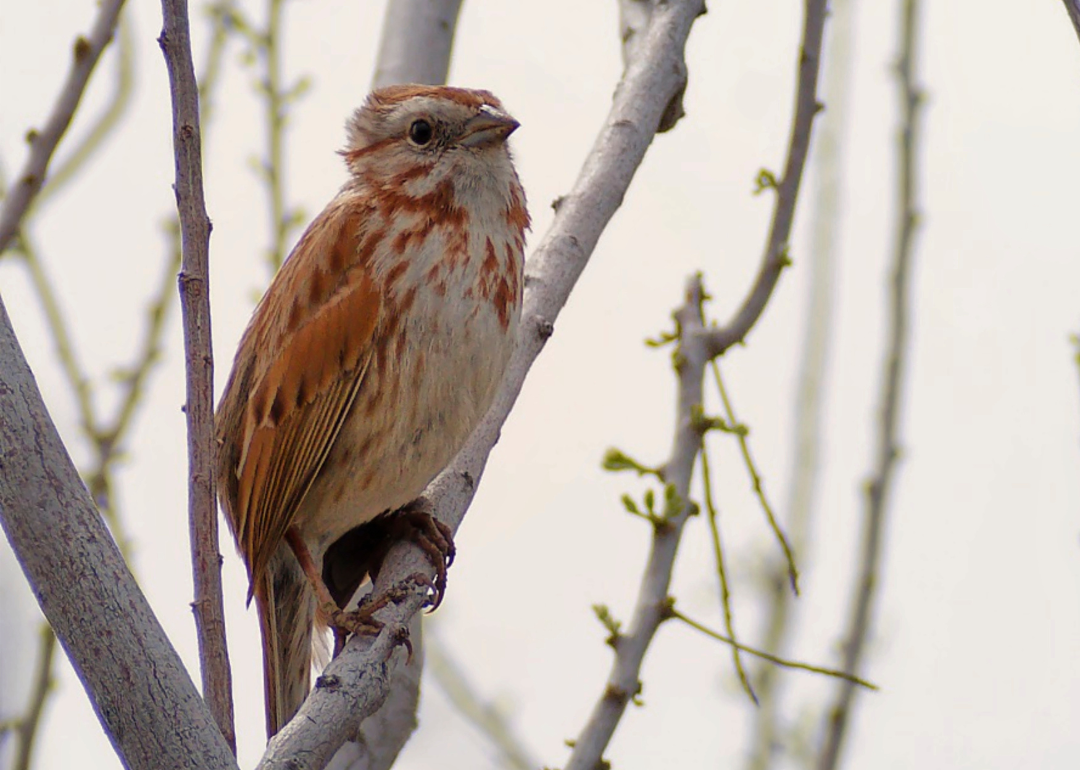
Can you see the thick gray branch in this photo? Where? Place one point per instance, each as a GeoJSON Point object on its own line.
{"type": "Point", "coordinates": [138, 687]}
{"type": "Point", "coordinates": [417, 38]}
{"type": "Point", "coordinates": [355, 684]}
{"type": "Point", "coordinates": [87, 51]}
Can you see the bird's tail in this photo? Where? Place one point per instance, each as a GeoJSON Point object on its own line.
{"type": "Point", "coordinates": [286, 606]}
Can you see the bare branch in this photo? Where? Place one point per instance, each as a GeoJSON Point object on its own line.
{"type": "Point", "coordinates": [175, 41]}
{"type": "Point", "coordinates": [769, 657]}
{"type": "Point", "coordinates": [104, 125]}
{"type": "Point", "coordinates": [384, 734]}
{"type": "Point", "coordinates": [100, 616]}
{"type": "Point", "coordinates": [1073, 8]}
{"type": "Point", "coordinates": [653, 606]}
{"type": "Point", "coordinates": [825, 200]}
{"type": "Point", "coordinates": [26, 727]}
{"type": "Point", "coordinates": [776, 258]}
{"type": "Point", "coordinates": [417, 38]}
{"type": "Point", "coordinates": [85, 55]}
{"type": "Point", "coordinates": [877, 490]}
{"type": "Point", "coordinates": [354, 684]}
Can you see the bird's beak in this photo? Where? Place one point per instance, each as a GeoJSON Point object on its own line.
{"type": "Point", "coordinates": [490, 126]}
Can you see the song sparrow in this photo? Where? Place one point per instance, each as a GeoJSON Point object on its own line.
{"type": "Point", "coordinates": [372, 356]}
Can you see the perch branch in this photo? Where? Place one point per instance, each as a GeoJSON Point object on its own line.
{"type": "Point", "coordinates": [355, 683]}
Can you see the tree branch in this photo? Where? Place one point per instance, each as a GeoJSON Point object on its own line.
{"type": "Point", "coordinates": [651, 607]}
{"type": "Point", "coordinates": [175, 41]}
{"type": "Point", "coordinates": [877, 490]}
{"type": "Point", "coordinates": [1073, 8]}
{"type": "Point", "coordinates": [417, 40]}
{"type": "Point", "coordinates": [354, 684]}
{"type": "Point", "coordinates": [118, 649]}
{"type": "Point", "coordinates": [826, 203]}
{"type": "Point", "coordinates": [776, 258]}
{"type": "Point", "coordinates": [87, 51]}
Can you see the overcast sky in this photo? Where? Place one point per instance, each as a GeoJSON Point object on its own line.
{"type": "Point", "coordinates": [979, 619]}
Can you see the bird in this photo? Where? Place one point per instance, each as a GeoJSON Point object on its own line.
{"type": "Point", "coordinates": [373, 354]}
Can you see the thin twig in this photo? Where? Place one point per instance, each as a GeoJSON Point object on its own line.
{"type": "Point", "coordinates": [40, 685]}
{"type": "Point", "coordinates": [800, 508]}
{"type": "Point", "coordinates": [877, 491]}
{"type": "Point", "coordinates": [741, 432]}
{"type": "Point", "coordinates": [274, 99]}
{"type": "Point", "coordinates": [355, 683]}
{"type": "Point", "coordinates": [105, 123]}
{"type": "Point", "coordinates": [175, 41]}
{"type": "Point", "coordinates": [721, 571]}
{"type": "Point", "coordinates": [774, 659]}
{"type": "Point", "coordinates": [85, 55]}
{"type": "Point", "coordinates": [775, 258]}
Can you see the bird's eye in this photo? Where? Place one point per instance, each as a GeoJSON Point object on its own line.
{"type": "Point", "coordinates": [420, 132]}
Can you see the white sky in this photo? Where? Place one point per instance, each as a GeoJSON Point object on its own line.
{"type": "Point", "coordinates": [978, 625]}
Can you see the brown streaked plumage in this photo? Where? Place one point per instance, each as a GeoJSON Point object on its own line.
{"type": "Point", "coordinates": [373, 354]}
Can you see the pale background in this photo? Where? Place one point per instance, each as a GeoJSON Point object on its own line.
{"type": "Point", "coordinates": [979, 622]}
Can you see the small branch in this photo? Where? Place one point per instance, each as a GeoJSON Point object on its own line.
{"type": "Point", "coordinates": [355, 683]}
{"type": "Point", "coordinates": [877, 491]}
{"type": "Point", "coordinates": [741, 432]}
{"type": "Point", "coordinates": [721, 571]}
{"type": "Point", "coordinates": [105, 124]}
{"type": "Point", "coordinates": [776, 258]}
{"type": "Point", "coordinates": [817, 335]}
{"type": "Point", "coordinates": [193, 282]}
{"type": "Point", "coordinates": [417, 41]}
{"type": "Point", "coordinates": [26, 730]}
{"type": "Point", "coordinates": [87, 51]}
{"type": "Point", "coordinates": [774, 659]}
{"type": "Point", "coordinates": [275, 100]}
{"type": "Point", "coordinates": [652, 605]}
{"type": "Point", "coordinates": [1073, 9]}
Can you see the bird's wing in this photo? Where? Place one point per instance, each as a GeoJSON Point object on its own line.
{"type": "Point", "coordinates": [298, 369]}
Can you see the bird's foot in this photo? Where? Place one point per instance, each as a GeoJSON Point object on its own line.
{"type": "Point", "coordinates": [434, 538]}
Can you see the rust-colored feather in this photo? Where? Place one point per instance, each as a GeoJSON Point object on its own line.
{"type": "Point", "coordinates": [298, 369]}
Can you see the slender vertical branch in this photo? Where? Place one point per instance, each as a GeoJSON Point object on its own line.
{"type": "Point", "coordinates": [651, 606]}
{"type": "Point", "coordinates": [275, 125]}
{"type": "Point", "coordinates": [27, 728]}
{"type": "Point", "coordinates": [721, 571]}
{"type": "Point", "coordinates": [877, 490]}
{"type": "Point", "coordinates": [825, 202]}
{"type": "Point", "coordinates": [193, 281]}
{"type": "Point", "coordinates": [775, 258]}
{"type": "Point", "coordinates": [85, 56]}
